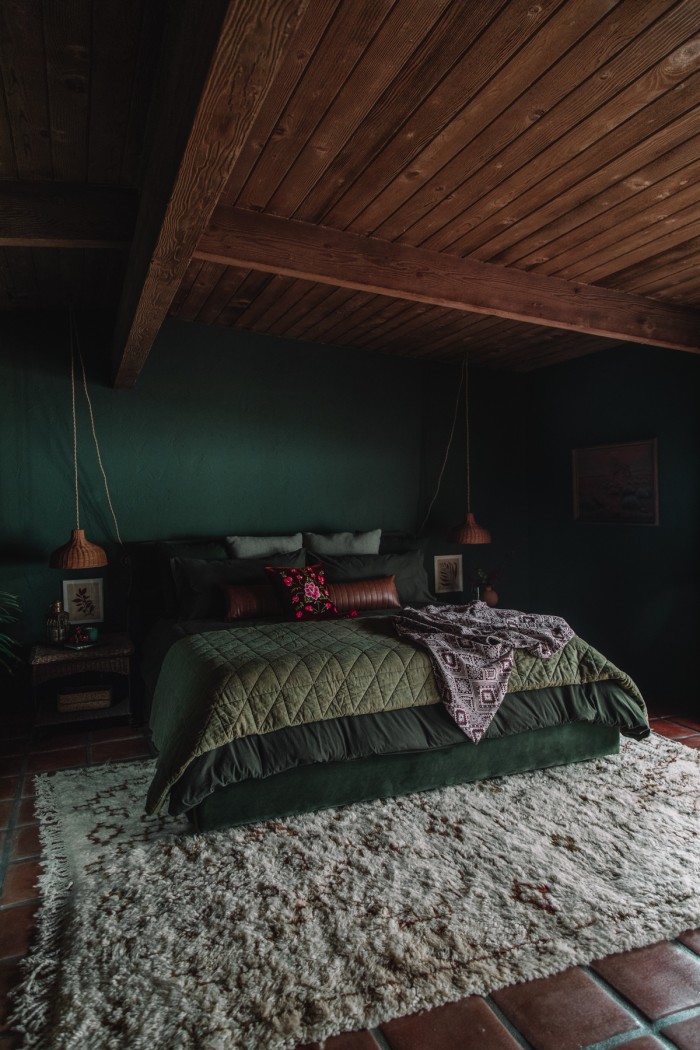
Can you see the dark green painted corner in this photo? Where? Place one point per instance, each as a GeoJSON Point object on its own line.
{"type": "Point", "coordinates": [631, 590]}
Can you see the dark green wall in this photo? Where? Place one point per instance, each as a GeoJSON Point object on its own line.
{"type": "Point", "coordinates": [225, 432]}
{"type": "Point", "coordinates": [631, 590]}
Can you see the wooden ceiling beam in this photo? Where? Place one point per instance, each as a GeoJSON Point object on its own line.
{"type": "Point", "coordinates": [296, 249]}
{"type": "Point", "coordinates": [218, 63]}
{"type": "Point", "coordinates": [53, 215]}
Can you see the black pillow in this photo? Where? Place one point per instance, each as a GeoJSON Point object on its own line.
{"type": "Point", "coordinates": [408, 568]}
{"type": "Point", "coordinates": [203, 549]}
{"type": "Point", "coordinates": [199, 584]}
{"type": "Point", "coordinates": [399, 542]}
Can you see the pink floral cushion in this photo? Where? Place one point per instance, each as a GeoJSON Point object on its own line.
{"type": "Point", "coordinates": [303, 592]}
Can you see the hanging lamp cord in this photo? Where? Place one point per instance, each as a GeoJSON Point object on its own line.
{"type": "Point", "coordinates": [76, 342]}
{"type": "Point", "coordinates": [466, 423]}
{"type": "Point", "coordinates": [447, 453]}
{"type": "Point", "coordinates": [75, 426]}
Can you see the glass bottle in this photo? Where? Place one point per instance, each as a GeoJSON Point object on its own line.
{"type": "Point", "coordinates": [56, 624]}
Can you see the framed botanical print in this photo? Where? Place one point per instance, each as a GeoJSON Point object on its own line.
{"type": "Point", "coordinates": [448, 573]}
{"type": "Point", "coordinates": [82, 600]}
{"type": "Point", "coordinates": [616, 484]}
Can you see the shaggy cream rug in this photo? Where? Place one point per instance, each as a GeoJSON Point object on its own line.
{"type": "Point", "coordinates": [280, 933]}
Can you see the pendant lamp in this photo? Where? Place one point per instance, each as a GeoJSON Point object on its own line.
{"type": "Point", "coordinates": [78, 553]}
{"type": "Point", "coordinates": [469, 531]}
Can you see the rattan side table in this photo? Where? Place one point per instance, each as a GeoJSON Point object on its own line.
{"type": "Point", "coordinates": [98, 677]}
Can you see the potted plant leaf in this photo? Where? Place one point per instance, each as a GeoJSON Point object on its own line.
{"type": "Point", "coordinates": [482, 583]}
{"type": "Point", "coordinates": [9, 608]}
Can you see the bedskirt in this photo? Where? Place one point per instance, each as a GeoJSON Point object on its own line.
{"type": "Point", "coordinates": [325, 785]}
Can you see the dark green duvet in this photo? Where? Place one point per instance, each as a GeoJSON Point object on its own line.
{"type": "Point", "coordinates": [255, 705]}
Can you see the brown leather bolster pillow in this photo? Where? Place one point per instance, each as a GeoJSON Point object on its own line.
{"type": "Point", "coordinates": [380, 593]}
{"type": "Point", "coordinates": [247, 601]}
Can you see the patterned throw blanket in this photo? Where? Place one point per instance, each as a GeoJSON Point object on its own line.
{"type": "Point", "coordinates": [472, 650]}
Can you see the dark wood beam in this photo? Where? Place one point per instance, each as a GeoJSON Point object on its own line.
{"type": "Point", "coordinates": [313, 253]}
{"type": "Point", "coordinates": [52, 215]}
{"type": "Point", "coordinates": [219, 60]}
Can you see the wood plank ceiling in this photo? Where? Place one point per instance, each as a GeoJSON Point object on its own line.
{"type": "Point", "coordinates": [74, 95]}
{"type": "Point", "coordinates": [511, 178]}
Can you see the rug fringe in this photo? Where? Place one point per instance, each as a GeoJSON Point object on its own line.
{"type": "Point", "coordinates": [33, 997]}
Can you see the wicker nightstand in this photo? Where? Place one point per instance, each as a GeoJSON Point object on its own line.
{"type": "Point", "coordinates": [82, 685]}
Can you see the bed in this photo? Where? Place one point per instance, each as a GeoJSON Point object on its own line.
{"type": "Point", "coordinates": [262, 717]}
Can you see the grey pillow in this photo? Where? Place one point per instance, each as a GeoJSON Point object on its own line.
{"type": "Point", "coordinates": [408, 568]}
{"type": "Point", "coordinates": [199, 584]}
{"type": "Point", "coordinates": [262, 546]}
{"type": "Point", "coordinates": [337, 543]}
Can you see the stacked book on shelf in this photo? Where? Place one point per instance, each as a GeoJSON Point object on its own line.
{"type": "Point", "coordinates": [84, 700]}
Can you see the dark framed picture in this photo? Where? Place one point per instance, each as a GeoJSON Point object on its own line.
{"type": "Point", "coordinates": [617, 484]}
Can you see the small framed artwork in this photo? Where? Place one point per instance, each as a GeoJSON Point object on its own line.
{"type": "Point", "coordinates": [617, 484]}
{"type": "Point", "coordinates": [448, 573]}
{"type": "Point", "coordinates": [82, 600]}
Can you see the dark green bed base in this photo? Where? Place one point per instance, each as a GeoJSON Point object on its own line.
{"type": "Point", "coordinates": [327, 784]}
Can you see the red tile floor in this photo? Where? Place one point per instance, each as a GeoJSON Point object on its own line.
{"type": "Point", "coordinates": [646, 999]}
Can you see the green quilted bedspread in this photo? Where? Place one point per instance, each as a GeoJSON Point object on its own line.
{"type": "Point", "coordinates": [221, 685]}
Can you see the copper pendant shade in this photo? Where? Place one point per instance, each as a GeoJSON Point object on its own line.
{"type": "Point", "coordinates": [469, 532]}
{"type": "Point", "coordinates": [78, 553]}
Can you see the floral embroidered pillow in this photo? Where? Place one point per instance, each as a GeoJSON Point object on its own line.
{"type": "Point", "coordinates": [303, 592]}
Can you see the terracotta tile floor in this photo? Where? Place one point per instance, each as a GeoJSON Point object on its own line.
{"type": "Point", "coordinates": [648, 999]}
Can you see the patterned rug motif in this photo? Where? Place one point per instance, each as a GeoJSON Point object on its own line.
{"type": "Point", "coordinates": [288, 932]}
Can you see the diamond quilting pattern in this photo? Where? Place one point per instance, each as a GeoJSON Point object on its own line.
{"type": "Point", "coordinates": [314, 676]}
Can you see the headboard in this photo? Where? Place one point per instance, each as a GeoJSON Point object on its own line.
{"type": "Point", "coordinates": [152, 594]}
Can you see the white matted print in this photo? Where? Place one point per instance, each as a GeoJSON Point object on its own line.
{"type": "Point", "coordinates": [448, 573]}
{"type": "Point", "coordinates": [82, 600]}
